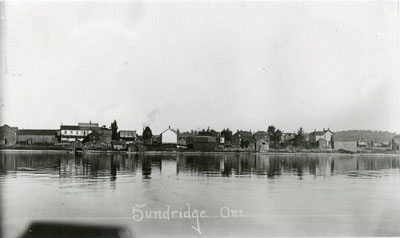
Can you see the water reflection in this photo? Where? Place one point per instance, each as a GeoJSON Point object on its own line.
{"type": "Point", "coordinates": [112, 166]}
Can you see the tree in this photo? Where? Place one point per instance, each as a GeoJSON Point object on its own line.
{"type": "Point", "coordinates": [300, 138]}
{"type": "Point", "coordinates": [114, 130]}
{"type": "Point", "coordinates": [271, 131]}
{"type": "Point", "coordinates": [227, 134]}
{"type": "Point", "coordinates": [277, 137]}
{"type": "Point", "coordinates": [274, 135]}
{"type": "Point", "coordinates": [147, 134]}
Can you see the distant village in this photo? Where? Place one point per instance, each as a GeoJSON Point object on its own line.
{"type": "Point", "coordinates": [92, 137]}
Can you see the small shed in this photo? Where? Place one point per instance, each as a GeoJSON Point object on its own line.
{"type": "Point", "coordinates": [396, 143]}
{"type": "Point", "coordinates": [77, 145]}
{"type": "Point", "coordinates": [262, 145]}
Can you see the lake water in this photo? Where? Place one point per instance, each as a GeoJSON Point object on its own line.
{"type": "Point", "coordinates": [233, 194]}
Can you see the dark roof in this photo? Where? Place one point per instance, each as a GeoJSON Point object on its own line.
{"type": "Point", "coordinates": [261, 134]}
{"type": "Point", "coordinates": [320, 133]}
{"type": "Point", "coordinates": [12, 128]}
{"type": "Point", "coordinates": [88, 124]}
{"type": "Point", "coordinates": [100, 131]}
{"type": "Point", "coordinates": [66, 127]}
{"type": "Point", "coordinates": [38, 132]}
{"type": "Point", "coordinates": [204, 139]}
{"type": "Point", "coordinates": [185, 134]}
{"type": "Point", "coordinates": [244, 133]}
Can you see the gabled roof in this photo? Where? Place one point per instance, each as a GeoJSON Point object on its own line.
{"type": "Point", "coordinates": [15, 129]}
{"type": "Point", "coordinates": [88, 125]}
{"type": "Point", "coordinates": [127, 131]}
{"type": "Point", "coordinates": [169, 129]}
{"type": "Point", "coordinates": [261, 134]}
{"type": "Point", "coordinates": [321, 133]}
{"type": "Point", "coordinates": [37, 132]}
{"type": "Point", "coordinates": [244, 133]}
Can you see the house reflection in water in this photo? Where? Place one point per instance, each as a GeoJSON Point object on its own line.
{"type": "Point", "coordinates": [107, 167]}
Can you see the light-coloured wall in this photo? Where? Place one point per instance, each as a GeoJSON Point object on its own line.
{"type": "Point", "coordinates": [345, 145]}
{"type": "Point", "coordinates": [262, 146]}
{"type": "Point", "coordinates": [327, 136]}
{"type": "Point", "coordinates": [7, 135]}
{"type": "Point", "coordinates": [169, 137]}
{"type": "Point", "coordinates": [75, 132]}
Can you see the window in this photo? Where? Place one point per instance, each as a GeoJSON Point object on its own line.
{"type": "Point", "coordinates": [71, 132]}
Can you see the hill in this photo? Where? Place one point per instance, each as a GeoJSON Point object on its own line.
{"type": "Point", "coordinates": [366, 135]}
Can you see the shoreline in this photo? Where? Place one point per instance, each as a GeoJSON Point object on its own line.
{"type": "Point", "coordinates": [197, 152]}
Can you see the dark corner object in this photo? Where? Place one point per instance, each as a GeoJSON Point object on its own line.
{"type": "Point", "coordinates": [63, 230]}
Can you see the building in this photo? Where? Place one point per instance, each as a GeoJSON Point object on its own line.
{"type": "Point", "coordinates": [362, 143]}
{"type": "Point", "coordinates": [262, 145]}
{"type": "Point", "coordinates": [169, 136]}
{"type": "Point", "coordinates": [342, 142]}
{"type": "Point", "coordinates": [8, 135]}
{"type": "Point", "coordinates": [99, 135]}
{"type": "Point", "coordinates": [77, 132]}
{"type": "Point", "coordinates": [186, 139]}
{"type": "Point", "coordinates": [396, 143]}
{"type": "Point", "coordinates": [127, 136]}
{"type": "Point", "coordinates": [324, 134]}
{"type": "Point", "coordinates": [240, 136]}
{"type": "Point", "coordinates": [350, 146]}
{"type": "Point", "coordinates": [119, 145]}
{"type": "Point", "coordinates": [322, 143]}
{"type": "Point", "coordinates": [204, 143]}
{"type": "Point", "coordinates": [77, 146]}
{"type": "Point", "coordinates": [37, 137]}
{"type": "Point", "coordinates": [261, 135]}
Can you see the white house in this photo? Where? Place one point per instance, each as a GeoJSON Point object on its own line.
{"type": "Point", "coordinates": [79, 132]}
{"type": "Point", "coordinates": [169, 136]}
{"type": "Point", "coordinates": [321, 135]}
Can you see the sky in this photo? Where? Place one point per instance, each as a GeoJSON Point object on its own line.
{"type": "Point", "coordinates": [238, 65]}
